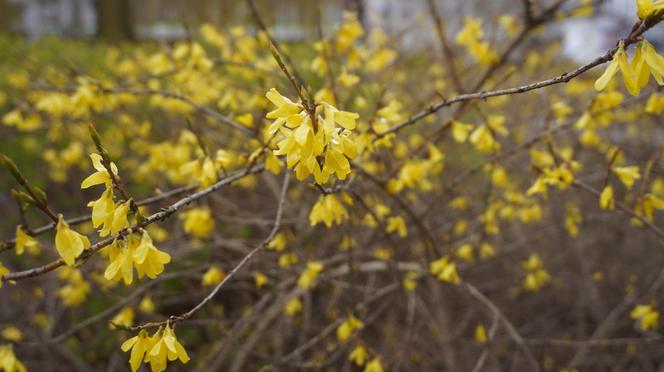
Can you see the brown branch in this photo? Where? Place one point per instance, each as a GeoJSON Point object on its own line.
{"type": "Point", "coordinates": [564, 78]}
{"type": "Point", "coordinates": [516, 336]}
{"type": "Point", "coordinates": [446, 49]}
{"type": "Point", "coordinates": [9, 244]}
{"type": "Point", "coordinates": [231, 274]}
{"type": "Point", "coordinates": [163, 214]}
{"type": "Point", "coordinates": [583, 186]}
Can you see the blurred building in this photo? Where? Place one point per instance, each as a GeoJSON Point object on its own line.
{"type": "Point", "coordinates": [37, 18]}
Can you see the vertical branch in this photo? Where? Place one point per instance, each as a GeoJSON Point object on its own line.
{"type": "Point", "coordinates": [446, 49]}
{"type": "Point", "coordinates": [277, 52]}
{"type": "Point", "coordinates": [527, 12]}
{"type": "Point", "coordinates": [326, 53]}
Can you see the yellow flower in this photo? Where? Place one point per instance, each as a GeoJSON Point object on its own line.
{"type": "Point", "coordinates": [146, 305]}
{"type": "Point", "coordinates": [76, 289]}
{"type": "Point", "coordinates": [124, 317]}
{"type": "Point", "coordinates": [102, 208]}
{"type": "Point", "coordinates": [374, 365]}
{"type": "Point", "coordinates": [536, 280]}
{"type": "Point", "coordinates": [480, 334]}
{"type": "Point", "coordinates": [606, 198]}
{"type": "Point", "coordinates": [272, 163]}
{"type": "Point", "coordinates": [116, 221]}
{"type": "Point", "coordinates": [198, 222]}
{"type": "Point", "coordinates": [139, 345]}
{"type": "Point", "coordinates": [101, 176]}
{"type": "Point", "coordinates": [260, 280]}
{"type": "Point", "coordinates": [647, 315]}
{"type": "Point", "coordinates": [3, 272]}
{"type": "Point", "coordinates": [288, 259]}
{"type": "Point", "coordinates": [484, 140]}
{"type": "Point", "coordinates": [68, 242]}
{"type": "Point", "coordinates": [460, 131]}
{"type": "Point", "coordinates": [308, 278]}
{"type": "Point", "coordinates": [346, 329]}
{"type": "Point", "coordinates": [465, 252]}
{"type": "Point", "coordinates": [293, 307]}
{"type": "Point", "coordinates": [648, 204]}
{"type": "Point", "coordinates": [445, 270]}
{"type": "Point", "coordinates": [25, 242]}
{"type": "Point", "coordinates": [629, 76]}
{"type": "Point", "coordinates": [279, 242]}
{"type": "Point", "coordinates": [487, 250]}
{"type": "Point", "coordinates": [646, 62]}
{"type": "Point", "coordinates": [328, 209]}
{"type": "Point", "coordinates": [534, 262]}
{"type": "Point", "coordinates": [350, 30]}
{"type": "Point", "coordinates": [214, 275]}
{"type": "Point", "coordinates": [202, 170]}
{"type": "Point", "coordinates": [627, 175]}
{"type": "Point", "coordinates": [12, 333]}
{"type": "Point", "coordinates": [346, 79]}
{"type": "Point", "coordinates": [166, 347]}
{"type": "Point", "coordinates": [572, 219]}
{"type": "Point", "coordinates": [148, 259]}
{"type": "Point", "coordinates": [122, 262]}
{"type": "Point", "coordinates": [285, 107]}
{"type": "Point", "coordinates": [536, 276]}
{"type": "Point", "coordinates": [398, 225]}
{"type": "Point", "coordinates": [647, 8]}
{"type": "Point", "coordinates": [359, 355]}
{"type": "Point", "coordinates": [410, 281]}
{"type": "Point", "coordinates": [8, 361]}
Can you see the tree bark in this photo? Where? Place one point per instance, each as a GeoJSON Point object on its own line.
{"type": "Point", "coordinates": [114, 20]}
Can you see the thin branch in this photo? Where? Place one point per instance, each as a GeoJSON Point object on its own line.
{"type": "Point", "coordinates": [446, 49]}
{"type": "Point", "coordinates": [163, 214]}
{"type": "Point", "coordinates": [659, 232]}
{"type": "Point", "coordinates": [516, 336]}
{"type": "Point", "coordinates": [231, 274]}
{"type": "Point", "coordinates": [9, 244]}
{"type": "Point", "coordinates": [564, 78]}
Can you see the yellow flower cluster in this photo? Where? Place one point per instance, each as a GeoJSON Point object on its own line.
{"type": "Point", "coordinates": [647, 316]}
{"type": "Point", "coordinates": [471, 36]}
{"type": "Point", "coordinates": [536, 275]}
{"type": "Point", "coordinates": [134, 252]}
{"type": "Point", "coordinates": [198, 222]}
{"type": "Point", "coordinates": [313, 144]}
{"type": "Point", "coordinates": [445, 270]}
{"type": "Point", "coordinates": [157, 349]}
{"type": "Point", "coordinates": [329, 210]}
{"type": "Point", "coordinates": [636, 74]}
{"type": "Point", "coordinates": [416, 173]}
{"type": "Point", "coordinates": [308, 278]}
{"type": "Point", "coordinates": [74, 292]}
{"type": "Point", "coordinates": [8, 360]}
{"type": "Point", "coordinates": [348, 327]}
{"type": "Point", "coordinates": [106, 213]}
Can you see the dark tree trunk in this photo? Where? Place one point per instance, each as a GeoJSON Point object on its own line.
{"type": "Point", "coordinates": [358, 7]}
{"type": "Point", "coordinates": [114, 20]}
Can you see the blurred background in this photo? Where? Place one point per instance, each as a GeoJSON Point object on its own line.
{"type": "Point", "coordinates": [292, 20]}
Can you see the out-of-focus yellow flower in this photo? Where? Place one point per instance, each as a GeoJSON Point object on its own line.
{"type": "Point", "coordinates": [213, 276]}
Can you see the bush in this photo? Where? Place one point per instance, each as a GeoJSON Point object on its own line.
{"type": "Point", "coordinates": [334, 204]}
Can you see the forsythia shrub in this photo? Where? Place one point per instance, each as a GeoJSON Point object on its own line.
{"type": "Point", "coordinates": [435, 220]}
